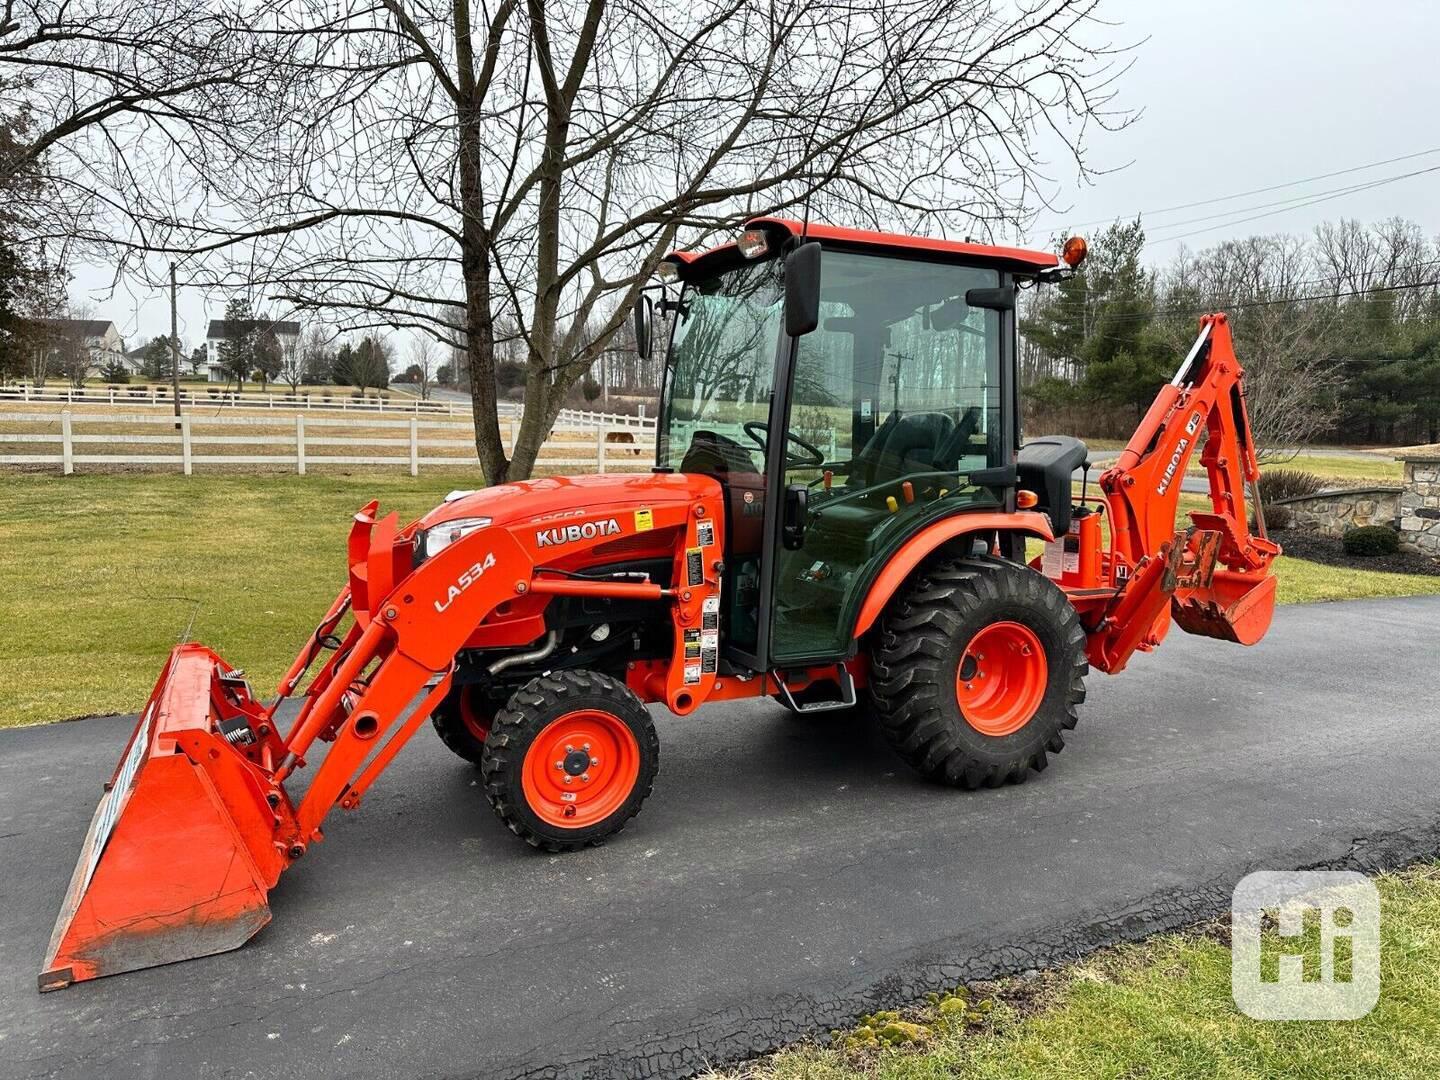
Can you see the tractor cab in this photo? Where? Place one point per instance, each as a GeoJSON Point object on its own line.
{"type": "Point", "coordinates": [834, 446]}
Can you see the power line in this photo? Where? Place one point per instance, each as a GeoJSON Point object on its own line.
{"type": "Point", "coordinates": [1285, 203]}
{"type": "Point", "coordinates": [1159, 313]}
{"type": "Point", "coordinates": [1256, 191]}
{"type": "Point", "coordinates": [1425, 264]}
{"type": "Point", "coordinates": [1310, 201]}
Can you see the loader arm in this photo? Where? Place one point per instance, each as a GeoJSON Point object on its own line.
{"type": "Point", "coordinates": [197, 825]}
{"type": "Point", "coordinates": [1212, 577]}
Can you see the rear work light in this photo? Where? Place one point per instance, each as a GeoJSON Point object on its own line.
{"type": "Point", "coordinates": [754, 243]}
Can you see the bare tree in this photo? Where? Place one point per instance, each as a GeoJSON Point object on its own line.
{"type": "Point", "coordinates": [453, 169]}
{"type": "Point", "coordinates": [424, 359]}
{"type": "Point", "coordinates": [127, 107]}
{"type": "Point", "coordinates": [292, 362]}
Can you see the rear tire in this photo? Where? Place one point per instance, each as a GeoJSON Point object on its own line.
{"type": "Point", "coordinates": [984, 722]}
{"type": "Point", "coordinates": [570, 760]}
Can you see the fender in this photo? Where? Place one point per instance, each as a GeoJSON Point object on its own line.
{"type": "Point", "coordinates": [914, 551]}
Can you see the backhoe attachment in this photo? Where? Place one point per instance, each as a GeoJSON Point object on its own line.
{"type": "Point", "coordinates": [1213, 578]}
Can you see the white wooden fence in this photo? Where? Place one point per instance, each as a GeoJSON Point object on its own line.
{"type": "Point", "coordinates": [603, 446]}
{"type": "Point", "coordinates": [308, 399]}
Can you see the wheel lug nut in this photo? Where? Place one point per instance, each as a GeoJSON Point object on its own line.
{"type": "Point", "coordinates": [569, 749]}
{"type": "Point", "coordinates": [585, 777]}
{"type": "Point", "coordinates": [585, 747]}
{"type": "Point", "coordinates": [594, 761]}
{"type": "Point", "coordinates": [560, 764]}
{"type": "Point", "coordinates": [568, 779]}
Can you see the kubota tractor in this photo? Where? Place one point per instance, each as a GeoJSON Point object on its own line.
{"type": "Point", "coordinates": [838, 518]}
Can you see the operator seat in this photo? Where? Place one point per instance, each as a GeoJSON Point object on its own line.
{"type": "Point", "coordinates": [903, 445]}
{"type": "Point", "coordinates": [1046, 466]}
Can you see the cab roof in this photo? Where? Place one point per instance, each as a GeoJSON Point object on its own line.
{"type": "Point", "coordinates": [1018, 260]}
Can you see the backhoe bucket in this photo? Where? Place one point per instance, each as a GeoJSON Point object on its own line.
{"type": "Point", "coordinates": [1234, 607]}
{"type": "Point", "coordinates": [181, 850]}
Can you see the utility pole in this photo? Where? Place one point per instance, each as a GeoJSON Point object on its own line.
{"type": "Point", "coordinates": [174, 347]}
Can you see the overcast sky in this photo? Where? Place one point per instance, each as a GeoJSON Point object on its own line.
{"type": "Point", "coordinates": [1234, 95]}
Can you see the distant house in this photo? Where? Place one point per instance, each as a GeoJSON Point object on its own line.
{"type": "Point", "coordinates": [222, 330]}
{"type": "Point", "coordinates": [134, 360]}
{"type": "Point", "coordinates": [101, 338]}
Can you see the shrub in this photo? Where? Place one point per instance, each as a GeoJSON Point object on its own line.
{"type": "Point", "coordinates": [1371, 540]}
{"type": "Point", "coordinates": [1278, 518]}
{"type": "Point", "coordinates": [1287, 484]}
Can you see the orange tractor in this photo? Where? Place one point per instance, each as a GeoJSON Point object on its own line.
{"type": "Point", "coordinates": [838, 518]}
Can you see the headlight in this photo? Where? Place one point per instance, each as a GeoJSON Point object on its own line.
{"type": "Point", "coordinates": [439, 537]}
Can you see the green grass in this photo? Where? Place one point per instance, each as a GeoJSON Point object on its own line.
{"type": "Point", "coordinates": [1337, 471]}
{"type": "Point", "coordinates": [1162, 1008]}
{"type": "Point", "coordinates": [104, 572]}
{"type": "Point", "coordinates": [1379, 469]}
{"type": "Point", "coordinates": [1302, 582]}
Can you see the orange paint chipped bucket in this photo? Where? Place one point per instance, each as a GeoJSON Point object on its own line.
{"type": "Point", "coordinates": [1235, 607]}
{"type": "Point", "coordinates": [182, 849]}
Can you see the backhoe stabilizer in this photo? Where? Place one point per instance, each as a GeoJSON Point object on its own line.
{"type": "Point", "coordinates": [181, 851]}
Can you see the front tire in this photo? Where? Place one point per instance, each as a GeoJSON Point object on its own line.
{"type": "Point", "coordinates": [570, 760]}
{"type": "Point", "coordinates": [977, 672]}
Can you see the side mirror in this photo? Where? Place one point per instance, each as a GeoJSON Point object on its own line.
{"type": "Point", "coordinates": [1001, 299]}
{"type": "Point", "coordinates": [802, 290]}
{"type": "Point", "coordinates": [644, 318]}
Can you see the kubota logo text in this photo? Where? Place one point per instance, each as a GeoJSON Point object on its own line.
{"type": "Point", "coordinates": [568, 534]}
{"type": "Point", "coordinates": [466, 579]}
{"type": "Point", "coordinates": [1170, 469]}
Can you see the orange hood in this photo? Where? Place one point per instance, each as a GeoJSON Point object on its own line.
{"type": "Point", "coordinates": [557, 497]}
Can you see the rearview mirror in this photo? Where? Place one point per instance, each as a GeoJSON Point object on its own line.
{"type": "Point", "coordinates": [644, 318]}
{"type": "Point", "coordinates": [802, 290]}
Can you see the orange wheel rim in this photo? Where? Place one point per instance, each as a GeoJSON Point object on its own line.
{"type": "Point", "coordinates": [580, 769]}
{"type": "Point", "coordinates": [1001, 678]}
{"type": "Point", "coordinates": [476, 723]}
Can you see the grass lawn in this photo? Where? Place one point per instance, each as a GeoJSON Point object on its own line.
{"type": "Point", "coordinates": [104, 572]}
{"type": "Point", "coordinates": [1347, 471]}
{"type": "Point", "coordinates": [1160, 1008]}
{"type": "Point", "coordinates": [1336, 470]}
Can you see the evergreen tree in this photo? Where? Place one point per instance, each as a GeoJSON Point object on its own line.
{"type": "Point", "coordinates": [237, 350]}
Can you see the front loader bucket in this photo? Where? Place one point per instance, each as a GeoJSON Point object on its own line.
{"type": "Point", "coordinates": [1234, 607]}
{"type": "Point", "coordinates": [181, 850]}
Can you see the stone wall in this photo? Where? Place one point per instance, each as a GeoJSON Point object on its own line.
{"type": "Point", "coordinates": [1420, 506]}
{"type": "Point", "coordinates": [1331, 513]}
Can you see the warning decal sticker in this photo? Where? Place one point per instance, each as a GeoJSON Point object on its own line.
{"type": "Point", "coordinates": [644, 520]}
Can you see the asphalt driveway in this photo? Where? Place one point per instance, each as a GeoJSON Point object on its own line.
{"type": "Point", "coordinates": [786, 876]}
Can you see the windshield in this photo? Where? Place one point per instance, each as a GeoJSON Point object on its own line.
{"type": "Point", "coordinates": [722, 366]}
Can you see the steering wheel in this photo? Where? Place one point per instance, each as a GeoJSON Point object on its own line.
{"type": "Point", "coordinates": [760, 432]}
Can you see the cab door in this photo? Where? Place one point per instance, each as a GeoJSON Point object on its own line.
{"type": "Point", "coordinates": [890, 406]}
